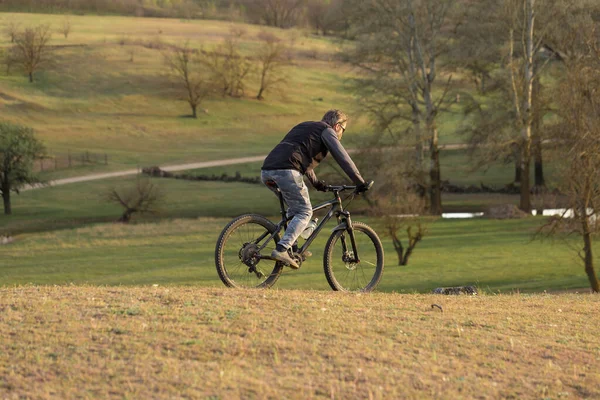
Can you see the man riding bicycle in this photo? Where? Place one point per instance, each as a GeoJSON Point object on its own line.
{"type": "Point", "coordinates": [300, 151]}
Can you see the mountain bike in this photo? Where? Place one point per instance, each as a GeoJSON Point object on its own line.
{"type": "Point", "coordinates": [352, 260]}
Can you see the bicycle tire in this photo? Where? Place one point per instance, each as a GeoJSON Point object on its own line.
{"type": "Point", "coordinates": [231, 247]}
{"type": "Point", "coordinates": [346, 276]}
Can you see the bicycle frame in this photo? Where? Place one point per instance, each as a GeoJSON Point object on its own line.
{"type": "Point", "coordinates": [336, 208]}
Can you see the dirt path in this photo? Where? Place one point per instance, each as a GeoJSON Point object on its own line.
{"type": "Point", "coordinates": [170, 168]}
{"type": "Point", "coordinates": [179, 167]}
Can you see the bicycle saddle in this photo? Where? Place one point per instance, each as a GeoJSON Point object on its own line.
{"type": "Point", "coordinates": [271, 183]}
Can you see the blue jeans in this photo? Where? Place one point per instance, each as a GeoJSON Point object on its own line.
{"type": "Point", "coordinates": [295, 194]}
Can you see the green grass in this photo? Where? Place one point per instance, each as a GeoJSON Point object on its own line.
{"type": "Point", "coordinates": [93, 98]}
{"type": "Point", "coordinates": [494, 255]}
{"type": "Point", "coordinates": [166, 342]}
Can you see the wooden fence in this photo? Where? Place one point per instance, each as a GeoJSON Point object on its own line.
{"type": "Point", "coordinates": [70, 160]}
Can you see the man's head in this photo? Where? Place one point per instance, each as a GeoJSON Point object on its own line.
{"type": "Point", "coordinates": [337, 120]}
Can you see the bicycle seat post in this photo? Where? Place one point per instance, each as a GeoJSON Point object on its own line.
{"type": "Point", "coordinates": [281, 204]}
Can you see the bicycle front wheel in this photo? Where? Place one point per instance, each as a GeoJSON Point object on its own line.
{"type": "Point", "coordinates": [341, 270]}
{"type": "Point", "coordinates": [238, 253]}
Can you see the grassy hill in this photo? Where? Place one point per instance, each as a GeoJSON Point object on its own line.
{"type": "Point", "coordinates": [149, 342]}
{"type": "Point", "coordinates": [494, 255]}
{"type": "Point", "coordinates": [108, 91]}
{"type": "Point", "coordinates": [96, 98]}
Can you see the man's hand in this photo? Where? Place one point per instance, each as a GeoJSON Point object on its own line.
{"type": "Point", "coordinates": [363, 187]}
{"type": "Point", "coordinates": [320, 186]}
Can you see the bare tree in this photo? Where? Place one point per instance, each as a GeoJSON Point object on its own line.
{"type": "Point", "coordinates": [12, 29]}
{"type": "Point", "coordinates": [325, 16]}
{"type": "Point", "coordinates": [399, 50]}
{"type": "Point", "coordinates": [65, 28]}
{"type": "Point", "coordinates": [528, 23]}
{"type": "Point", "coordinates": [228, 66]}
{"type": "Point", "coordinates": [31, 49]}
{"type": "Point", "coordinates": [144, 198]}
{"type": "Point", "coordinates": [278, 13]}
{"type": "Point", "coordinates": [10, 58]}
{"type": "Point", "coordinates": [395, 201]}
{"type": "Point", "coordinates": [578, 133]}
{"type": "Point", "coordinates": [508, 124]}
{"type": "Point", "coordinates": [398, 216]}
{"type": "Point", "coordinates": [183, 62]}
{"type": "Point", "coordinates": [273, 56]}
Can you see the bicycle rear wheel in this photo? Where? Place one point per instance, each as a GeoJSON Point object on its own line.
{"type": "Point", "coordinates": [237, 254]}
{"type": "Point", "coordinates": [345, 275]}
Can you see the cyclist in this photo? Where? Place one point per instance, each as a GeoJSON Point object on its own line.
{"type": "Point", "coordinates": [300, 151]}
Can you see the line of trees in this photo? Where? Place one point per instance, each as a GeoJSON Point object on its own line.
{"type": "Point", "coordinates": [408, 53]}
{"type": "Point", "coordinates": [536, 78]}
{"type": "Point", "coordinates": [324, 16]}
{"type": "Point", "coordinates": [224, 70]}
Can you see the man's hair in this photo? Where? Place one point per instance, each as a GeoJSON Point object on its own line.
{"type": "Point", "coordinates": [333, 117]}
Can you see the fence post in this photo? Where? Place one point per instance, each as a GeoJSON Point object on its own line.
{"type": "Point", "coordinates": [69, 155]}
{"type": "Point", "coordinates": [105, 159]}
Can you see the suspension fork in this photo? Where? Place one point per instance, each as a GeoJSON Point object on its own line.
{"type": "Point", "coordinates": [350, 230]}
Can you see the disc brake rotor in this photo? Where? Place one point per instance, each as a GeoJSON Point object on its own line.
{"type": "Point", "coordinates": [348, 259]}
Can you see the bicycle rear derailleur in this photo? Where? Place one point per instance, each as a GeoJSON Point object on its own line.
{"type": "Point", "coordinates": [250, 256]}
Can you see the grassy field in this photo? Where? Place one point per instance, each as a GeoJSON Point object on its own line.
{"type": "Point", "coordinates": [94, 98]}
{"type": "Point", "coordinates": [495, 255]}
{"type": "Point", "coordinates": [94, 309]}
{"type": "Point", "coordinates": [157, 342]}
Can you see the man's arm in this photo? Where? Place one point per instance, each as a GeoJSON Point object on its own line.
{"type": "Point", "coordinates": [314, 181]}
{"type": "Point", "coordinates": [341, 156]}
{"type": "Point", "coordinates": [312, 177]}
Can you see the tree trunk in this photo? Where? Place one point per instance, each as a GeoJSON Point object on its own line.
{"type": "Point", "coordinates": [31, 77]}
{"type": "Point", "coordinates": [525, 201]}
{"type": "Point", "coordinates": [538, 164]}
{"type": "Point", "coordinates": [435, 176]}
{"type": "Point", "coordinates": [126, 217]}
{"type": "Point", "coordinates": [525, 198]}
{"type": "Point", "coordinates": [259, 96]}
{"type": "Point", "coordinates": [416, 122]}
{"type": "Point", "coordinates": [194, 112]}
{"type": "Point", "coordinates": [7, 205]}
{"type": "Point", "coordinates": [6, 198]}
{"type": "Point", "coordinates": [397, 245]}
{"type": "Point", "coordinates": [589, 260]}
{"type": "Point", "coordinates": [537, 124]}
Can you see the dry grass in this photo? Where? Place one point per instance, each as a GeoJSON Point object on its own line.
{"type": "Point", "coordinates": [155, 342]}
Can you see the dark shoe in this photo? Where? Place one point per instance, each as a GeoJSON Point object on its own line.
{"type": "Point", "coordinates": [303, 256]}
{"type": "Point", "coordinates": [285, 258]}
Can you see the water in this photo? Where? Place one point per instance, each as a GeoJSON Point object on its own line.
{"type": "Point", "coordinates": [467, 215]}
{"type": "Point", "coordinates": [462, 215]}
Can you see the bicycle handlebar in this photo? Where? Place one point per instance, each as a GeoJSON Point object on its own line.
{"type": "Point", "coordinates": [332, 188]}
